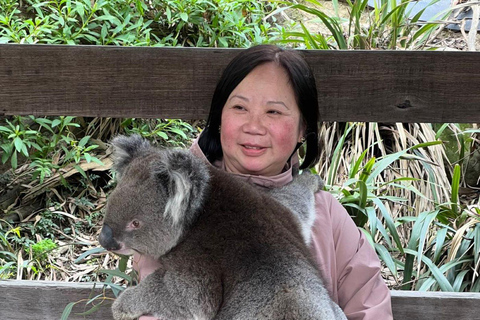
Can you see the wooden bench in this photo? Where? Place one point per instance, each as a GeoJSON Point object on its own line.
{"type": "Point", "coordinates": [371, 86]}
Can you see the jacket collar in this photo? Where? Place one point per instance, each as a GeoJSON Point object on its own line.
{"type": "Point", "coordinates": [262, 181]}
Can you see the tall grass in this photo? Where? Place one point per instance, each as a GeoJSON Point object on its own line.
{"type": "Point", "coordinates": [393, 181]}
{"type": "Point", "coordinates": [387, 25]}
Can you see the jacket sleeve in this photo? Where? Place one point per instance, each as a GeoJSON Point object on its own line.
{"type": "Point", "coordinates": [360, 289]}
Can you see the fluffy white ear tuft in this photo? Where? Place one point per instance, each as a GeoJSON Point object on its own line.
{"type": "Point", "coordinates": [185, 179]}
{"type": "Point", "coordinates": [177, 204]}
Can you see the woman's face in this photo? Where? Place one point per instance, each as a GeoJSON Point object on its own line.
{"type": "Point", "coordinates": [261, 123]}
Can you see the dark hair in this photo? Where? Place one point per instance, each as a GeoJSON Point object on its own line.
{"type": "Point", "coordinates": [303, 84]}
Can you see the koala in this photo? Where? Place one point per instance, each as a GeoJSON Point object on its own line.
{"type": "Point", "coordinates": [299, 197]}
{"type": "Point", "coordinates": [227, 251]}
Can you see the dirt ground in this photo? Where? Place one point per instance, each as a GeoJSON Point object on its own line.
{"type": "Point", "coordinates": [445, 39]}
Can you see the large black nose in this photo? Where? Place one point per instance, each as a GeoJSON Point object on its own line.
{"type": "Point", "coordinates": [107, 240]}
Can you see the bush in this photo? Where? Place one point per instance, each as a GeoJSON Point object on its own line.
{"type": "Point", "coordinates": [201, 23]}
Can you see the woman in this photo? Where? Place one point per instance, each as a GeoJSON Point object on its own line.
{"type": "Point", "coordinates": [264, 107]}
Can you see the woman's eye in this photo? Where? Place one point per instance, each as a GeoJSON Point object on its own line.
{"type": "Point", "coordinates": [273, 112]}
{"type": "Point", "coordinates": [238, 108]}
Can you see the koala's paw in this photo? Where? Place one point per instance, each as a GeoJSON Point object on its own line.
{"type": "Point", "coordinates": [125, 306]}
{"type": "Point", "coordinates": [310, 180]}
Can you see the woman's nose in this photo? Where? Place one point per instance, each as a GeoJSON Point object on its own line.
{"type": "Point", "coordinates": [254, 125]}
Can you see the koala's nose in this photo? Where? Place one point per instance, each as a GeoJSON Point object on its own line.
{"type": "Point", "coordinates": [107, 240]}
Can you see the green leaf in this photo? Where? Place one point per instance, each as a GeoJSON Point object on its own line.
{"type": "Point", "coordinates": [455, 188]}
{"type": "Point", "coordinates": [56, 122]}
{"type": "Point", "coordinates": [90, 311]}
{"type": "Point", "coordinates": [386, 258]}
{"type": "Point", "coordinates": [98, 161]}
{"type": "Point", "coordinates": [18, 144]}
{"type": "Point", "coordinates": [117, 273]}
{"type": "Point", "coordinates": [81, 171]}
{"type": "Point", "coordinates": [389, 222]}
{"type": "Point", "coordinates": [184, 16]}
{"type": "Point", "coordinates": [223, 42]}
{"type": "Point", "coordinates": [457, 284]}
{"type": "Point", "coordinates": [67, 310]}
{"type": "Point", "coordinates": [122, 265]}
{"type": "Point", "coordinates": [168, 12]}
{"type": "Point", "coordinates": [443, 269]}
{"type": "Point", "coordinates": [5, 129]}
{"type": "Point", "coordinates": [439, 241]}
{"type": "Point", "coordinates": [476, 242]}
{"type": "Point", "coordinates": [162, 135]}
{"type": "Point", "coordinates": [83, 141]}
{"type": "Point", "coordinates": [179, 132]}
{"type": "Point", "coordinates": [13, 160]}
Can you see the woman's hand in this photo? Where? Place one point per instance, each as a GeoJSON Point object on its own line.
{"type": "Point", "coordinates": [144, 266]}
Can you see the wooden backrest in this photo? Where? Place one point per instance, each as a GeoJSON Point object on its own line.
{"type": "Point", "coordinates": [372, 86]}
{"type": "Point", "coordinates": [44, 300]}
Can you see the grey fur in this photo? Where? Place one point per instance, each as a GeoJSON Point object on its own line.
{"type": "Point", "coordinates": [226, 250]}
{"type": "Point", "coordinates": [299, 197]}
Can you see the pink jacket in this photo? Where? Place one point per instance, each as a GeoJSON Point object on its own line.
{"type": "Point", "coordinates": [348, 263]}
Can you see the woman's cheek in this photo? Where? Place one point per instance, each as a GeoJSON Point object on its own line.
{"type": "Point", "coordinates": [228, 132]}
{"type": "Point", "coordinates": [286, 134]}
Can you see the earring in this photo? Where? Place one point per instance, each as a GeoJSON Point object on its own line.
{"type": "Point", "coordinates": [219, 128]}
{"type": "Point", "coordinates": [302, 140]}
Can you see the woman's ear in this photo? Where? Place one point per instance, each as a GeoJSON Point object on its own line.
{"type": "Point", "coordinates": [302, 132]}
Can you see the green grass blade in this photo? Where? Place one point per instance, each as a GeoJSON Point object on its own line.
{"type": "Point", "coordinates": [455, 188]}
{"type": "Point", "coordinates": [439, 241]}
{"type": "Point", "coordinates": [476, 242]}
{"type": "Point", "coordinates": [309, 38]}
{"type": "Point", "coordinates": [389, 222]}
{"type": "Point", "coordinates": [436, 272]}
{"type": "Point", "coordinates": [337, 153]}
{"type": "Point", "coordinates": [386, 258]}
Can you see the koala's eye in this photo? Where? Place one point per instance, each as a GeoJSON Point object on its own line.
{"type": "Point", "coordinates": [135, 224]}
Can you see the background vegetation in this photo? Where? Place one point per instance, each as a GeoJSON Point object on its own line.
{"type": "Point", "coordinates": [412, 188]}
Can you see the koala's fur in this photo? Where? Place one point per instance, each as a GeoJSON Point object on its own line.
{"type": "Point", "coordinates": [227, 251]}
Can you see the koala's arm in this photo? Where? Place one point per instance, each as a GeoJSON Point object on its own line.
{"type": "Point", "coordinates": [169, 295]}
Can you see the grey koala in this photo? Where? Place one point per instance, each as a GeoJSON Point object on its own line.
{"type": "Point", "coordinates": [227, 251]}
{"type": "Point", "coordinates": [299, 197]}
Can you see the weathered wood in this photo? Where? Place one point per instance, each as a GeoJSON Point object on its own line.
{"type": "Point", "coordinates": [382, 86]}
{"type": "Point", "coordinates": [46, 300]}
{"type": "Point", "coordinates": [43, 300]}
{"type": "Point", "coordinates": [413, 305]}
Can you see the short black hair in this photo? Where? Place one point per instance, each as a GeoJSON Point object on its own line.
{"type": "Point", "coordinates": [303, 83]}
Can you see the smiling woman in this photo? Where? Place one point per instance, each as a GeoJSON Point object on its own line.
{"type": "Point", "coordinates": [261, 123]}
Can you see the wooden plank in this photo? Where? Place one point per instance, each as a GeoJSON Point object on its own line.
{"type": "Point", "coordinates": [45, 300]}
{"type": "Point", "coordinates": [411, 305]}
{"type": "Point", "coordinates": [382, 86]}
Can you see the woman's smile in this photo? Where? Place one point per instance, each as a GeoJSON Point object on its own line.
{"type": "Point", "coordinates": [261, 123]}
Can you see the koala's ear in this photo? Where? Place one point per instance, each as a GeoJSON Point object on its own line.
{"type": "Point", "coordinates": [185, 179]}
{"type": "Point", "coordinates": [125, 149]}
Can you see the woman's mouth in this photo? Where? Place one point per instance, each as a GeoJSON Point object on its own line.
{"type": "Point", "coordinates": [253, 147]}
{"type": "Point", "coordinates": [252, 150]}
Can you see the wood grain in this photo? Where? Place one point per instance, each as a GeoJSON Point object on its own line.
{"type": "Point", "coordinates": [376, 86]}
{"type": "Point", "coordinates": [43, 300]}
{"type": "Point", "coordinates": [46, 300]}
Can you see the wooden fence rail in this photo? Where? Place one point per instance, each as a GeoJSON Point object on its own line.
{"type": "Point", "coordinates": [375, 86]}
{"type": "Point", "coordinates": [95, 81]}
{"type": "Point", "coordinates": [50, 298]}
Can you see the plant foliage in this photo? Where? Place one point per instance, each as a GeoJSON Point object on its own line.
{"type": "Point", "coordinates": [200, 23]}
